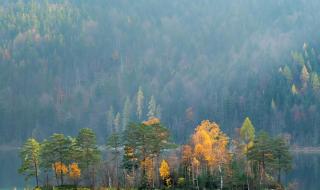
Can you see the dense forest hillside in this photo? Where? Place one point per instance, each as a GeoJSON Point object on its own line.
{"type": "Point", "coordinates": [66, 65]}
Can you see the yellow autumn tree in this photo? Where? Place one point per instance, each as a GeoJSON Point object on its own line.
{"type": "Point", "coordinates": [211, 147]}
{"type": "Point", "coordinates": [164, 171]}
{"type": "Point", "coordinates": [74, 172]}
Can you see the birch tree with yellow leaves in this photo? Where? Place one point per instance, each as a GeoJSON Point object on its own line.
{"type": "Point", "coordinates": [211, 148]}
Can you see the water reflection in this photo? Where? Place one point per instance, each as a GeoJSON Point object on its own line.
{"type": "Point", "coordinates": [306, 171]}
{"type": "Point", "coordinates": [9, 176]}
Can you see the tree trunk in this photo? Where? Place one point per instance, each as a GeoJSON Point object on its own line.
{"type": "Point", "coordinates": [109, 179]}
{"type": "Point", "coordinates": [61, 174]}
{"type": "Point", "coordinates": [117, 171]}
{"type": "Point", "coordinates": [221, 177]}
{"type": "Point", "coordinates": [55, 173]}
{"type": "Point", "coordinates": [279, 174]}
{"type": "Point", "coordinates": [47, 179]}
{"type": "Point", "coordinates": [93, 178]}
{"type": "Point", "coordinates": [248, 185]}
{"type": "Point", "coordinates": [61, 178]}
{"type": "Point", "coordinates": [36, 170]}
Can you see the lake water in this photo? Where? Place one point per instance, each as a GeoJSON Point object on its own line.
{"type": "Point", "coordinates": [305, 173]}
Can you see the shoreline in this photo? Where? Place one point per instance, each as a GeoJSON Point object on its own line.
{"type": "Point", "coordinates": [8, 148]}
{"type": "Point", "coordinates": [305, 150]}
{"type": "Point", "coordinates": [293, 149]}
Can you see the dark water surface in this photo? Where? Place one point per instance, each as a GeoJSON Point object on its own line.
{"type": "Point", "coordinates": [305, 173]}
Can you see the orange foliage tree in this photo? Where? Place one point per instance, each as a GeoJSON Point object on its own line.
{"type": "Point", "coordinates": [74, 172]}
{"type": "Point", "coordinates": [60, 170]}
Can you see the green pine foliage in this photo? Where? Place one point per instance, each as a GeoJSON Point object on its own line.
{"type": "Point", "coordinates": [30, 157]}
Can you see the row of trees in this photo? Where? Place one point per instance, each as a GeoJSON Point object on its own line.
{"type": "Point", "coordinates": [143, 156]}
{"type": "Point", "coordinates": [136, 108]}
{"type": "Point", "coordinates": [61, 156]}
{"type": "Point", "coordinates": [213, 160]}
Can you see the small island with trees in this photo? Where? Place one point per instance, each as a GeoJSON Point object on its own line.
{"type": "Point", "coordinates": [143, 156]}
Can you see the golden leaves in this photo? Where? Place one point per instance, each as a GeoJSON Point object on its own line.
{"type": "Point", "coordinates": [74, 171]}
{"type": "Point", "coordinates": [60, 168]}
{"type": "Point", "coordinates": [152, 121]}
{"type": "Point", "coordinates": [210, 144]}
{"type": "Point", "coordinates": [164, 170]}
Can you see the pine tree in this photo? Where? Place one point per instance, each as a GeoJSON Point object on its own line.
{"type": "Point", "coordinates": [152, 107]}
{"type": "Point", "coordinates": [89, 153]}
{"type": "Point", "coordinates": [315, 82]}
{"type": "Point", "coordinates": [87, 144]}
{"type": "Point", "coordinates": [30, 156]}
{"type": "Point", "coordinates": [60, 147]}
{"type": "Point", "coordinates": [126, 113]}
{"type": "Point", "coordinates": [283, 158]}
{"type": "Point", "coordinates": [140, 101]}
{"type": "Point", "coordinates": [304, 76]}
{"type": "Point", "coordinates": [46, 158]}
{"type": "Point", "coordinates": [144, 141]}
{"type": "Point", "coordinates": [110, 118]}
{"type": "Point", "coordinates": [158, 111]}
{"type": "Point", "coordinates": [261, 154]}
{"type": "Point", "coordinates": [116, 123]}
{"type": "Point", "coordinates": [287, 73]}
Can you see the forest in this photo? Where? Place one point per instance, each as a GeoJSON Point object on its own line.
{"type": "Point", "coordinates": [158, 94]}
{"type": "Point", "coordinates": [67, 65]}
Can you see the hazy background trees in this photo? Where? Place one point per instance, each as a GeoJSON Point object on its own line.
{"type": "Point", "coordinates": [66, 65]}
